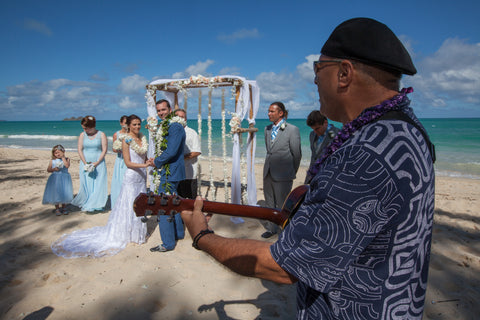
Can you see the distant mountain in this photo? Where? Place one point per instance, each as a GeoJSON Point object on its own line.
{"type": "Point", "coordinates": [73, 119]}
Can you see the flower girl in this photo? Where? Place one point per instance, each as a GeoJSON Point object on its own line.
{"type": "Point", "coordinates": [59, 190]}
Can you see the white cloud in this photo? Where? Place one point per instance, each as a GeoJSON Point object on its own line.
{"type": "Point", "coordinates": [239, 35]}
{"type": "Point", "coordinates": [132, 84]}
{"type": "Point", "coordinates": [55, 99]}
{"type": "Point", "coordinates": [407, 43]}
{"type": "Point", "coordinates": [195, 69]}
{"type": "Point", "coordinates": [103, 76]}
{"type": "Point", "coordinates": [232, 71]}
{"type": "Point", "coordinates": [276, 87]}
{"type": "Point", "coordinates": [305, 70]}
{"type": "Point", "coordinates": [40, 27]}
{"type": "Point", "coordinates": [127, 103]}
{"type": "Point", "coordinates": [450, 76]}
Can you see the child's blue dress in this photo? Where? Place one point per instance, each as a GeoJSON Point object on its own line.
{"type": "Point", "coordinates": [59, 188]}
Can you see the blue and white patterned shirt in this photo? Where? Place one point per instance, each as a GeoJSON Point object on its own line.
{"type": "Point", "coordinates": [275, 128]}
{"type": "Point", "coordinates": [360, 243]}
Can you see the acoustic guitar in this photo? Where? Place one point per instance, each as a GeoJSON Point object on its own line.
{"type": "Point", "coordinates": [149, 204]}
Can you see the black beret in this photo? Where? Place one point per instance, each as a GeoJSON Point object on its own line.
{"type": "Point", "coordinates": [370, 42]}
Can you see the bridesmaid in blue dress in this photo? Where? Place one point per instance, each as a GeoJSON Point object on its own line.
{"type": "Point", "coordinates": [120, 167]}
{"type": "Point", "coordinates": [92, 147]}
{"type": "Point", "coordinates": [58, 190]}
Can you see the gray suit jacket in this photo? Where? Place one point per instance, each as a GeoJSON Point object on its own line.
{"type": "Point", "coordinates": [284, 154]}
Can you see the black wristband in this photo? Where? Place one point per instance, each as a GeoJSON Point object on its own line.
{"type": "Point", "coordinates": [198, 236]}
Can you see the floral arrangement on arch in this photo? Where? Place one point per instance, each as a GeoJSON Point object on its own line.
{"type": "Point", "coordinates": [235, 123]}
{"type": "Point", "coordinates": [198, 80]}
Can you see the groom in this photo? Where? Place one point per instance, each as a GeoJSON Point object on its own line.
{"type": "Point", "coordinates": [171, 168]}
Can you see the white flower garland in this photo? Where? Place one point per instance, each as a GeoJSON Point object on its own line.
{"type": "Point", "coordinates": [224, 146]}
{"type": "Point", "coordinates": [158, 134]}
{"type": "Point", "coordinates": [140, 150]}
{"type": "Point", "coordinates": [209, 122]}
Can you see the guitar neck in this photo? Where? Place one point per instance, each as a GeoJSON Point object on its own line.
{"type": "Point", "coordinates": [150, 204]}
{"type": "Point", "coordinates": [237, 210]}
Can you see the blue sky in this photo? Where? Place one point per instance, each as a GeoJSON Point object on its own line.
{"type": "Point", "coordinates": [71, 58]}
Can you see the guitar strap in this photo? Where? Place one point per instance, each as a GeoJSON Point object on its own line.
{"type": "Point", "coordinates": [398, 115]}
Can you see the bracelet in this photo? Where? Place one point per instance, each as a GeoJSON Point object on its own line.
{"type": "Point", "coordinates": [199, 236]}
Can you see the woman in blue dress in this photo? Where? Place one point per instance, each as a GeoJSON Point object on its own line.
{"type": "Point", "coordinates": [92, 147]}
{"type": "Point", "coordinates": [120, 167]}
{"type": "Point", "coordinates": [58, 190]}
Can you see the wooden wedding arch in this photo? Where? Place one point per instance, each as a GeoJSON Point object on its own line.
{"type": "Point", "coordinates": [246, 96]}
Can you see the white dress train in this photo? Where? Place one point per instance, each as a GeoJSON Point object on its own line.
{"type": "Point", "coordinates": [122, 228]}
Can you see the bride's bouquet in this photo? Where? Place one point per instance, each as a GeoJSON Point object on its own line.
{"type": "Point", "coordinates": [117, 145]}
{"type": "Point", "coordinates": [89, 167]}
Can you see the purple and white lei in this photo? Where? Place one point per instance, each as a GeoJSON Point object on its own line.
{"type": "Point", "coordinates": [368, 115]}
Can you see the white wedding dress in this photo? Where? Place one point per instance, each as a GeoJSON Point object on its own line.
{"type": "Point", "coordinates": [122, 228]}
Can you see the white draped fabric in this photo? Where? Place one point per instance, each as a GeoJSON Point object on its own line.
{"type": "Point", "coordinates": [251, 146]}
{"type": "Point", "coordinates": [242, 108]}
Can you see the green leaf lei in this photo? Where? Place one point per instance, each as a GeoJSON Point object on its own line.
{"type": "Point", "coordinates": [161, 143]}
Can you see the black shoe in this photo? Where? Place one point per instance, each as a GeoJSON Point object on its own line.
{"type": "Point", "coordinates": [267, 234]}
{"type": "Point", "coordinates": [159, 248]}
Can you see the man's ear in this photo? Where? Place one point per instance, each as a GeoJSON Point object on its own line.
{"type": "Point", "coordinates": [345, 73]}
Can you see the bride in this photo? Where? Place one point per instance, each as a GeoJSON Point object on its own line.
{"type": "Point", "coordinates": [123, 226]}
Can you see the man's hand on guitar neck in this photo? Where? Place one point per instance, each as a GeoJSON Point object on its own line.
{"type": "Point", "coordinates": [244, 256]}
{"type": "Point", "coordinates": [196, 220]}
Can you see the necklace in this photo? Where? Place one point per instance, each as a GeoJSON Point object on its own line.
{"type": "Point", "coordinates": [140, 150]}
{"type": "Point", "coordinates": [368, 115]}
{"type": "Point", "coordinates": [160, 136]}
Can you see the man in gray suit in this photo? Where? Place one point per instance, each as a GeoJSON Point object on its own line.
{"type": "Point", "coordinates": [320, 137]}
{"type": "Point", "coordinates": [284, 153]}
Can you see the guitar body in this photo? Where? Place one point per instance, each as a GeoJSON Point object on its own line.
{"type": "Point", "coordinates": [150, 204]}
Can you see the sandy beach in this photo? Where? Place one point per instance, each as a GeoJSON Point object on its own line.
{"type": "Point", "coordinates": [186, 283]}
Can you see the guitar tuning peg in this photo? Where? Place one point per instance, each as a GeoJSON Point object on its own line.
{"type": "Point", "coordinates": [163, 199]}
{"type": "Point", "coordinates": [145, 218]}
{"type": "Point", "coordinates": [151, 199]}
{"type": "Point", "coordinates": [176, 200]}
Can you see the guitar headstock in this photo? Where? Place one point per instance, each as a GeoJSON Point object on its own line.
{"type": "Point", "coordinates": [150, 204]}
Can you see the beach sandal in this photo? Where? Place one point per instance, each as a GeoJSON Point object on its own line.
{"type": "Point", "coordinates": [65, 211]}
{"type": "Point", "coordinates": [58, 212]}
{"type": "Point", "coordinates": [159, 248]}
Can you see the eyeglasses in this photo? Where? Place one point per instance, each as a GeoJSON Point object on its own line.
{"type": "Point", "coordinates": [315, 63]}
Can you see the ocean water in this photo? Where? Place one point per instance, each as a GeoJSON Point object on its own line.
{"type": "Point", "coordinates": [457, 141]}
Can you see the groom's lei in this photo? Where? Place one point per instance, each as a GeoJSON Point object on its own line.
{"type": "Point", "coordinates": [160, 137]}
